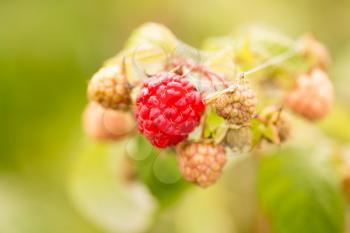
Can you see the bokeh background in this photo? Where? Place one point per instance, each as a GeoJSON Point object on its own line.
{"type": "Point", "coordinates": [48, 51]}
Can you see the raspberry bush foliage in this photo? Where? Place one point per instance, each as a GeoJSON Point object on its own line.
{"type": "Point", "coordinates": [186, 116]}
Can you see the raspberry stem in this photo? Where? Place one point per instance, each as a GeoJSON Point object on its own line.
{"type": "Point", "coordinates": [271, 62]}
{"type": "Point", "coordinates": [275, 60]}
{"type": "Point", "coordinates": [205, 71]}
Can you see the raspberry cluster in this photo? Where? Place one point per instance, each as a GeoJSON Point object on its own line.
{"type": "Point", "coordinates": [168, 108]}
{"type": "Point", "coordinates": [238, 105]}
{"type": "Point", "coordinates": [312, 96]}
{"type": "Point", "coordinates": [109, 88]}
{"type": "Point", "coordinates": [201, 163]}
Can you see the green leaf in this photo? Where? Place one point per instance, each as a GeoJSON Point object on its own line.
{"type": "Point", "coordinates": [212, 123]}
{"type": "Point", "coordinates": [271, 133]}
{"type": "Point", "coordinates": [257, 129]}
{"type": "Point", "coordinates": [221, 133]}
{"type": "Point", "coordinates": [334, 123]}
{"type": "Point", "coordinates": [298, 192]}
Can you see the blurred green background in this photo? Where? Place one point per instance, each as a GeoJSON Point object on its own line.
{"type": "Point", "coordinates": [48, 51]}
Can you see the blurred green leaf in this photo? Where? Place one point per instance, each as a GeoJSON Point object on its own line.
{"type": "Point", "coordinates": [271, 134]}
{"type": "Point", "coordinates": [257, 131]}
{"type": "Point", "coordinates": [335, 122]}
{"type": "Point", "coordinates": [214, 122]}
{"type": "Point", "coordinates": [198, 213]}
{"type": "Point", "coordinates": [102, 195]}
{"type": "Point", "coordinates": [298, 192]}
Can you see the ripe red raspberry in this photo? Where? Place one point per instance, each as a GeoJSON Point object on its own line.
{"type": "Point", "coordinates": [201, 163]}
{"type": "Point", "coordinates": [238, 105]}
{"type": "Point", "coordinates": [312, 96]}
{"type": "Point", "coordinates": [109, 88]}
{"type": "Point", "coordinates": [168, 109]}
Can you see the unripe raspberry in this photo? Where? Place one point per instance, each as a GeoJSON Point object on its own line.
{"type": "Point", "coordinates": [239, 139]}
{"type": "Point", "coordinates": [168, 109]}
{"type": "Point", "coordinates": [109, 88]}
{"type": "Point", "coordinates": [312, 96]}
{"type": "Point", "coordinates": [238, 105]}
{"type": "Point", "coordinates": [282, 127]}
{"type": "Point", "coordinates": [278, 121]}
{"type": "Point", "coordinates": [201, 163]}
{"type": "Point", "coordinates": [316, 51]}
{"type": "Point", "coordinates": [106, 124]}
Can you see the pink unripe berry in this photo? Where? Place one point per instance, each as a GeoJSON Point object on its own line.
{"type": "Point", "coordinates": [106, 124]}
{"type": "Point", "coordinates": [201, 163]}
{"type": "Point", "coordinates": [312, 95]}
